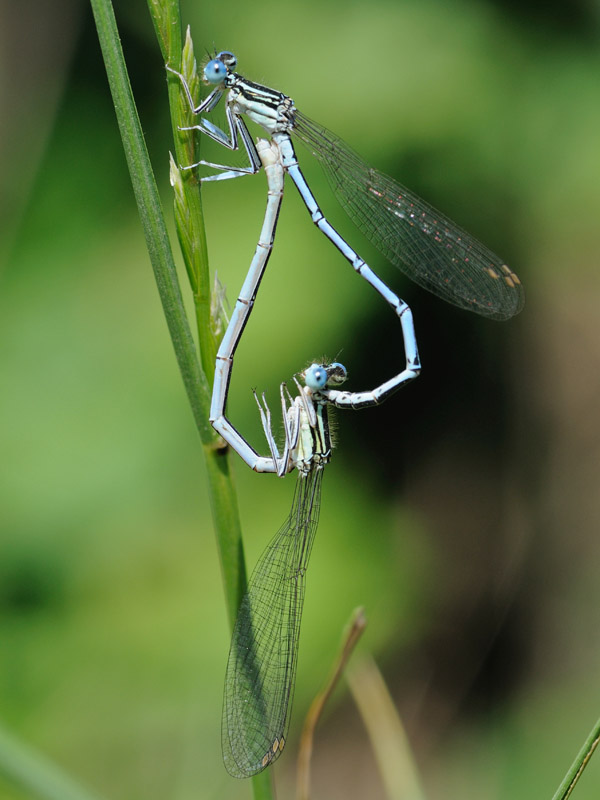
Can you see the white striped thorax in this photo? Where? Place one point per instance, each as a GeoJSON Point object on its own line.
{"type": "Point", "coordinates": [269, 108]}
{"type": "Point", "coordinates": [310, 407]}
{"type": "Point", "coordinates": [313, 444]}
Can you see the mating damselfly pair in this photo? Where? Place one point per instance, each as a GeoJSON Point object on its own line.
{"type": "Point", "coordinates": [433, 252]}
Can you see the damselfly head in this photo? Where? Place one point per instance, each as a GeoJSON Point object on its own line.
{"type": "Point", "coordinates": [318, 376]}
{"type": "Point", "coordinates": [219, 67]}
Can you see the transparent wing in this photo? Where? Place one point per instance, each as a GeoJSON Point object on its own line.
{"type": "Point", "coordinates": [261, 671]}
{"type": "Point", "coordinates": [431, 249]}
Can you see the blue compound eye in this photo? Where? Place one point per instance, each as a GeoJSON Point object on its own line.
{"type": "Point", "coordinates": [215, 71]}
{"type": "Point", "coordinates": [315, 377]}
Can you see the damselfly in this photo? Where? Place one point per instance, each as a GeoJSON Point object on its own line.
{"type": "Point", "coordinates": [261, 670]}
{"type": "Point", "coordinates": [432, 250]}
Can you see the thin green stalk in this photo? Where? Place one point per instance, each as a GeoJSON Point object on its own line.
{"type": "Point", "coordinates": [155, 232]}
{"type": "Point", "coordinates": [221, 490]}
{"type": "Point", "coordinates": [36, 774]}
{"type": "Point", "coordinates": [189, 221]}
{"type": "Point", "coordinates": [189, 215]}
{"type": "Point", "coordinates": [580, 763]}
{"type": "Point", "coordinates": [190, 227]}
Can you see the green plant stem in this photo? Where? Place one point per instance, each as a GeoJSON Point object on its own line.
{"type": "Point", "coordinates": [223, 499]}
{"type": "Point", "coordinates": [155, 232]}
{"type": "Point", "coordinates": [192, 238]}
{"type": "Point", "coordinates": [189, 215]}
{"type": "Point", "coordinates": [190, 227]}
{"type": "Point", "coordinates": [222, 493]}
{"type": "Point", "coordinates": [36, 774]}
{"type": "Point", "coordinates": [580, 763]}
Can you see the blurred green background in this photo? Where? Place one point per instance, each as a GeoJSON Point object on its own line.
{"type": "Point", "coordinates": [463, 514]}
